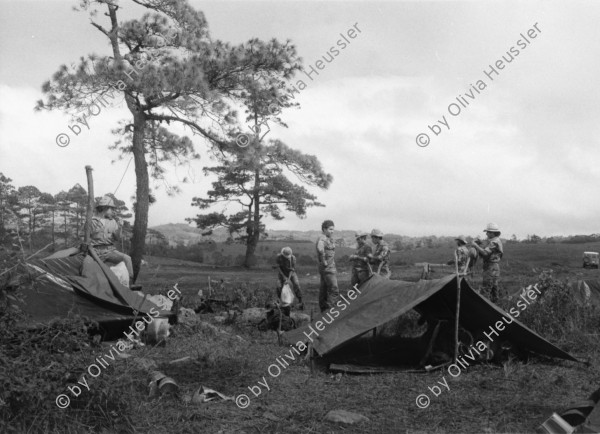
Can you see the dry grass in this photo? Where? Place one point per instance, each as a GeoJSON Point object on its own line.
{"type": "Point", "coordinates": [512, 398]}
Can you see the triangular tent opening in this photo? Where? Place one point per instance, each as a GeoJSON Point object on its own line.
{"type": "Point", "coordinates": [382, 300]}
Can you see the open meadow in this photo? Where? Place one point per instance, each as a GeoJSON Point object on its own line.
{"type": "Point", "coordinates": [218, 351]}
{"type": "Point", "coordinates": [514, 397]}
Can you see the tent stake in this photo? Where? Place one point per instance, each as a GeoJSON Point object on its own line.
{"type": "Point", "coordinates": [90, 204]}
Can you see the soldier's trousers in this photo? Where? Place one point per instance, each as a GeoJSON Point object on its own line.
{"type": "Point", "coordinates": [489, 287]}
{"type": "Point", "coordinates": [358, 277]}
{"type": "Point", "coordinates": [294, 283]}
{"type": "Point", "coordinates": [112, 256]}
{"type": "Point", "coordinates": [328, 291]}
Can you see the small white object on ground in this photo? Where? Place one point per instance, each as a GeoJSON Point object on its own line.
{"type": "Point", "coordinates": [343, 416]}
{"type": "Point", "coordinates": [204, 394]}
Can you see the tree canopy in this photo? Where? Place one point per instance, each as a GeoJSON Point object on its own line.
{"type": "Point", "coordinates": [170, 71]}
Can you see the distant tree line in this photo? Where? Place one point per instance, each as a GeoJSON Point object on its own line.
{"type": "Point", "coordinates": [33, 218]}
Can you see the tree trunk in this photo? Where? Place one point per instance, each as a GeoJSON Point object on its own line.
{"type": "Point", "coordinates": [53, 227]}
{"type": "Point", "coordinates": [142, 193]}
{"type": "Point", "coordinates": [66, 228]}
{"type": "Point", "coordinates": [254, 233]}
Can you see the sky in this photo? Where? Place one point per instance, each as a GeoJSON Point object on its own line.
{"type": "Point", "coordinates": [518, 146]}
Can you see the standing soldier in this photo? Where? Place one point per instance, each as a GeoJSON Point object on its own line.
{"type": "Point", "coordinates": [361, 269]}
{"type": "Point", "coordinates": [464, 253]}
{"type": "Point", "coordinates": [328, 291]}
{"type": "Point", "coordinates": [286, 267]}
{"type": "Point", "coordinates": [491, 252]}
{"type": "Point", "coordinates": [381, 257]}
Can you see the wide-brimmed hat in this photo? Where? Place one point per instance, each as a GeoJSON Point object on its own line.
{"type": "Point", "coordinates": [360, 234]}
{"type": "Point", "coordinates": [106, 201]}
{"type": "Point", "coordinates": [287, 252]}
{"type": "Point", "coordinates": [461, 238]}
{"type": "Point", "coordinates": [376, 233]}
{"type": "Point", "coordinates": [492, 227]}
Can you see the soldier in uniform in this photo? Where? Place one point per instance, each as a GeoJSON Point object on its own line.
{"type": "Point", "coordinates": [286, 266]}
{"type": "Point", "coordinates": [381, 258]}
{"type": "Point", "coordinates": [491, 251]}
{"type": "Point", "coordinates": [360, 261]}
{"type": "Point", "coordinates": [105, 231]}
{"type": "Point", "coordinates": [464, 253]}
{"type": "Point", "coordinates": [328, 291]}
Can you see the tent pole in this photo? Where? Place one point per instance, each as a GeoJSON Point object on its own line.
{"type": "Point", "coordinates": [456, 323]}
{"type": "Point", "coordinates": [90, 204]}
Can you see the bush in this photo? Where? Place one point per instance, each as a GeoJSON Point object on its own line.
{"type": "Point", "coordinates": [557, 314]}
{"type": "Point", "coordinates": [37, 365]}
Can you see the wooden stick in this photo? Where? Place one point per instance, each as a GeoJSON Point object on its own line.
{"type": "Point", "coordinates": [456, 324]}
{"type": "Point", "coordinates": [90, 204]}
{"type": "Point", "coordinates": [279, 326]}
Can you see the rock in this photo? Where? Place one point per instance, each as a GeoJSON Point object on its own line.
{"type": "Point", "coordinates": [123, 355]}
{"type": "Point", "coordinates": [186, 316]}
{"type": "Point", "coordinates": [300, 318]}
{"type": "Point", "coordinates": [253, 315]}
{"type": "Point", "coordinates": [343, 416]}
{"type": "Point", "coordinates": [220, 319]}
{"type": "Point", "coordinates": [157, 331]}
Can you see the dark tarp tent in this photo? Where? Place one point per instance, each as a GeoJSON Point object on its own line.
{"type": "Point", "coordinates": [381, 300]}
{"type": "Point", "coordinates": [83, 285]}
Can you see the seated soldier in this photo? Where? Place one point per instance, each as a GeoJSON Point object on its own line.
{"type": "Point", "coordinates": [105, 230]}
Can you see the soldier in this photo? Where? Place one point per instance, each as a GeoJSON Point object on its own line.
{"type": "Point", "coordinates": [381, 257]}
{"type": "Point", "coordinates": [286, 265]}
{"type": "Point", "coordinates": [328, 291]}
{"type": "Point", "coordinates": [464, 252]}
{"type": "Point", "coordinates": [106, 230]}
{"type": "Point", "coordinates": [361, 269]}
{"type": "Point", "coordinates": [491, 251]}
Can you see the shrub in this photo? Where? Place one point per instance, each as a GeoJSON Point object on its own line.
{"type": "Point", "coordinates": [37, 365]}
{"type": "Point", "coordinates": [557, 314]}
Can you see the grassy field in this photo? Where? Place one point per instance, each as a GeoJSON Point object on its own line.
{"type": "Point", "coordinates": [513, 398]}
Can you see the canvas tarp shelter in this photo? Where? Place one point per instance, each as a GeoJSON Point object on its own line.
{"type": "Point", "coordinates": [80, 284]}
{"type": "Point", "coordinates": [382, 300]}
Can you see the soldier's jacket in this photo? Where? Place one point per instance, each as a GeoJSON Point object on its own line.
{"type": "Point", "coordinates": [360, 264]}
{"type": "Point", "coordinates": [326, 254]}
{"type": "Point", "coordinates": [381, 255]}
{"type": "Point", "coordinates": [493, 249]}
{"type": "Point", "coordinates": [286, 265]}
{"type": "Point", "coordinates": [463, 253]}
{"type": "Point", "coordinates": [104, 232]}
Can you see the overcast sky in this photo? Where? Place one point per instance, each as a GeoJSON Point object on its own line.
{"type": "Point", "coordinates": [523, 152]}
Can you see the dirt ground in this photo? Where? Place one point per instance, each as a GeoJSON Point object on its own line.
{"type": "Point", "coordinates": [513, 398]}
